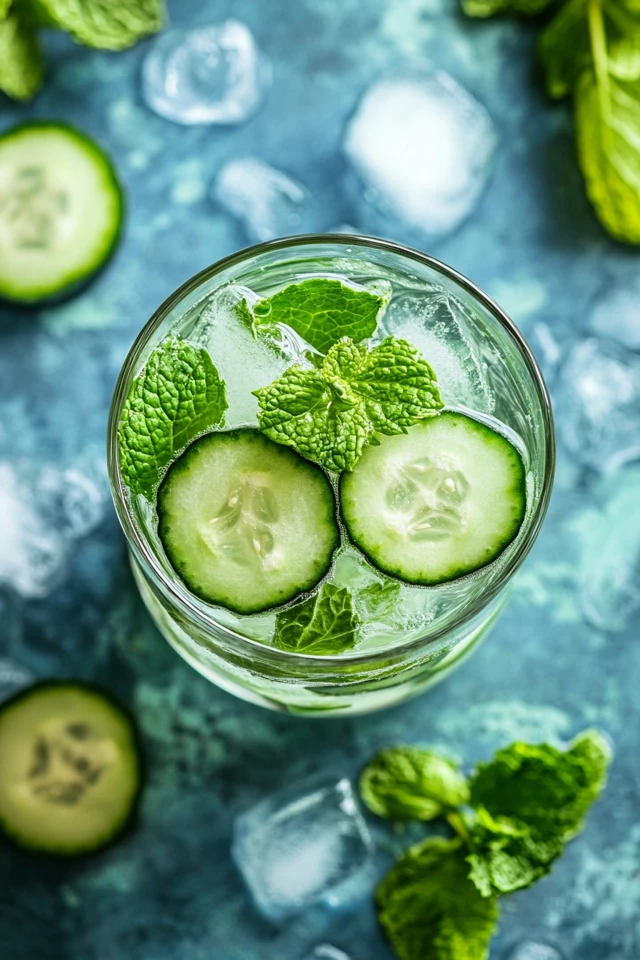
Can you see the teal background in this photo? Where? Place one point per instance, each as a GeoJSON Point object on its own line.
{"type": "Point", "coordinates": [169, 890]}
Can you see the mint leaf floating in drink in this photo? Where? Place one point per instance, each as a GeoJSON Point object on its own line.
{"type": "Point", "coordinates": [405, 783]}
{"type": "Point", "coordinates": [330, 414]}
{"type": "Point", "coordinates": [103, 24]}
{"type": "Point", "coordinates": [531, 799]}
{"type": "Point", "coordinates": [430, 910]}
{"type": "Point", "coordinates": [379, 599]}
{"type": "Point", "coordinates": [324, 624]}
{"type": "Point", "coordinates": [21, 66]}
{"type": "Point", "coordinates": [177, 396]}
{"type": "Point", "coordinates": [322, 311]}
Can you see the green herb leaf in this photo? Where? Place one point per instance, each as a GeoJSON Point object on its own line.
{"type": "Point", "coordinates": [4, 8]}
{"type": "Point", "coordinates": [505, 854]}
{"type": "Point", "coordinates": [378, 599]}
{"type": "Point", "coordinates": [489, 8]}
{"type": "Point", "coordinates": [323, 311]}
{"type": "Point", "coordinates": [564, 48]}
{"type": "Point", "coordinates": [429, 908]}
{"type": "Point", "coordinates": [178, 396]}
{"type": "Point", "coordinates": [103, 24]}
{"type": "Point", "coordinates": [608, 134]}
{"type": "Point", "coordinates": [404, 783]}
{"type": "Point", "coordinates": [21, 65]}
{"type": "Point", "coordinates": [547, 790]}
{"type": "Point", "coordinates": [325, 624]}
{"type": "Point", "coordinates": [329, 415]}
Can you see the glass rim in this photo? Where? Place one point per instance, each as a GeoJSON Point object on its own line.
{"type": "Point", "coordinates": [179, 593]}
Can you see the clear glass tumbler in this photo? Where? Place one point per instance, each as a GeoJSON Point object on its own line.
{"type": "Point", "coordinates": [480, 358]}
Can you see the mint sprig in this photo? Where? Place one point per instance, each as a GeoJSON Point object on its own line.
{"type": "Point", "coordinates": [21, 66]}
{"type": "Point", "coordinates": [178, 396]}
{"type": "Point", "coordinates": [324, 624]}
{"type": "Point", "coordinates": [322, 311]}
{"type": "Point", "coordinates": [512, 821]}
{"type": "Point", "coordinates": [330, 414]}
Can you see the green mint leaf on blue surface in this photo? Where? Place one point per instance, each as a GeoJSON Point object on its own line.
{"type": "Point", "coordinates": [21, 66]}
{"type": "Point", "coordinates": [330, 414]}
{"type": "Point", "coordinates": [4, 8]}
{"type": "Point", "coordinates": [489, 8]}
{"type": "Point", "coordinates": [322, 311]}
{"type": "Point", "coordinates": [324, 624]}
{"type": "Point", "coordinates": [404, 783]}
{"type": "Point", "coordinates": [177, 396]}
{"type": "Point", "coordinates": [430, 910]}
{"type": "Point", "coordinates": [104, 24]}
{"type": "Point", "coordinates": [545, 789]}
{"type": "Point", "coordinates": [564, 48]}
{"type": "Point", "coordinates": [506, 855]}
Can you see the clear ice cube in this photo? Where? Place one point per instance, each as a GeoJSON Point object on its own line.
{"type": "Point", "coordinates": [305, 844]}
{"type": "Point", "coordinates": [616, 314]}
{"type": "Point", "coordinates": [422, 149]}
{"type": "Point", "coordinates": [268, 202]}
{"type": "Point", "coordinates": [436, 324]}
{"type": "Point", "coordinates": [208, 74]}
{"type": "Point", "coordinates": [533, 950]}
{"type": "Point", "coordinates": [597, 404]}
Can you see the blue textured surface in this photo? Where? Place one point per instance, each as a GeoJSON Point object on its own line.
{"type": "Point", "coordinates": [170, 891]}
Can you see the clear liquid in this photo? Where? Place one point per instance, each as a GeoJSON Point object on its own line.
{"type": "Point", "coordinates": [473, 378]}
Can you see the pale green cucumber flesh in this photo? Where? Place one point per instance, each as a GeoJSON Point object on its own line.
{"type": "Point", "coordinates": [436, 503]}
{"type": "Point", "coordinates": [61, 210]}
{"type": "Point", "coordinates": [71, 768]}
{"type": "Point", "coordinates": [247, 524]}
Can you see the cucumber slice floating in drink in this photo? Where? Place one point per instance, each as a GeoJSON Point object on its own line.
{"type": "Point", "coordinates": [61, 210]}
{"type": "Point", "coordinates": [71, 768]}
{"type": "Point", "coordinates": [248, 524]}
{"type": "Point", "coordinates": [436, 503]}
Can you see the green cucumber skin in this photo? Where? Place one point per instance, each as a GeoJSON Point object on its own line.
{"type": "Point", "coordinates": [129, 822]}
{"type": "Point", "coordinates": [182, 463]}
{"type": "Point", "coordinates": [73, 284]}
{"type": "Point", "coordinates": [455, 574]}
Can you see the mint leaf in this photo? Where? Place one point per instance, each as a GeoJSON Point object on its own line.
{"type": "Point", "coordinates": [404, 783]}
{"type": "Point", "coordinates": [489, 8]}
{"type": "Point", "coordinates": [608, 133]}
{"type": "Point", "coordinates": [506, 855]}
{"type": "Point", "coordinates": [4, 8]}
{"type": "Point", "coordinates": [378, 599]}
{"type": "Point", "coordinates": [178, 396]}
{"type": "Point", "coordinates": [429, 908]}
{"type": "Point", "coordinates": [325, 624]}
{"type": "Point", "coordinates": [564, 48]}
{"type": "Point", "coordinates": [21, 65]}
{"type": "Point", "coordinates": [329, 415]}
{"type": "Point", "coordinates": [323, 311]}
{"type": "Point", "coordinates": [547, 790]}
{"type": "Point", "coordinates": [104, 24]}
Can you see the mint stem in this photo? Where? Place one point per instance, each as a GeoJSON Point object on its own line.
{"type": "Point", "coordinates": [455, 820]}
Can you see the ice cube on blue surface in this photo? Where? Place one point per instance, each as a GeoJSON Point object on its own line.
{"type": "Point", "coordinates": [326, 951]}
{"type": "Point", "coordinates": [597, 404]}
{"type": "Point", "coordinates": [616, 314]}
{"type": "Point", "coordinates": [422, 148]}
{"type": "Point", "coordinates": [268, 202]}
{"type": "Point", "coordinates": [208, 74]}
{"type": "Point", "coordinates": [304, 844]}
{"type": "Point", "coordinates": [533, 950]}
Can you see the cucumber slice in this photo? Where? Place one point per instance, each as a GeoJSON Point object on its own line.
{"type": "Point", "coordinates": [71, 768]}
{"type": "Point", "coordinates": [436, 503]}
{"type": "Point", "coordinates": [61, 210]}
{"type": "Point", "coordinates": [247, 523]}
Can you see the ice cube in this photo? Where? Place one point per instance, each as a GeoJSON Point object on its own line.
{"type": "Point", "coordinates": [423, 148]}
{"type": "Point", "coordinates": [42, 511]}
{"type": "Point", "coordinates": [616, 314]}
{"type": "Point", "coordinates": [436, 325]}
{"type": "Point", "coordinates": [533, 950]}
{"type": "Point", "coordinates": [608, 535]}
{"type": "Point", "coordinates": [597, 404]}
{"type": "Point", "coordinates": [268, 202]}
{"type": "Point", "coordinates": [245, 363]}
{"type": "Point", "coordinates": [326, 951]}
{"type": "Point", "coordinates": [208, 74]}
{"type": "Point", "coordinates": [306, 844]}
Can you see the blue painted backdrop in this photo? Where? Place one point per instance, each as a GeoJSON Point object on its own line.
{"type": "Point", "coordinates": [67, 601]}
